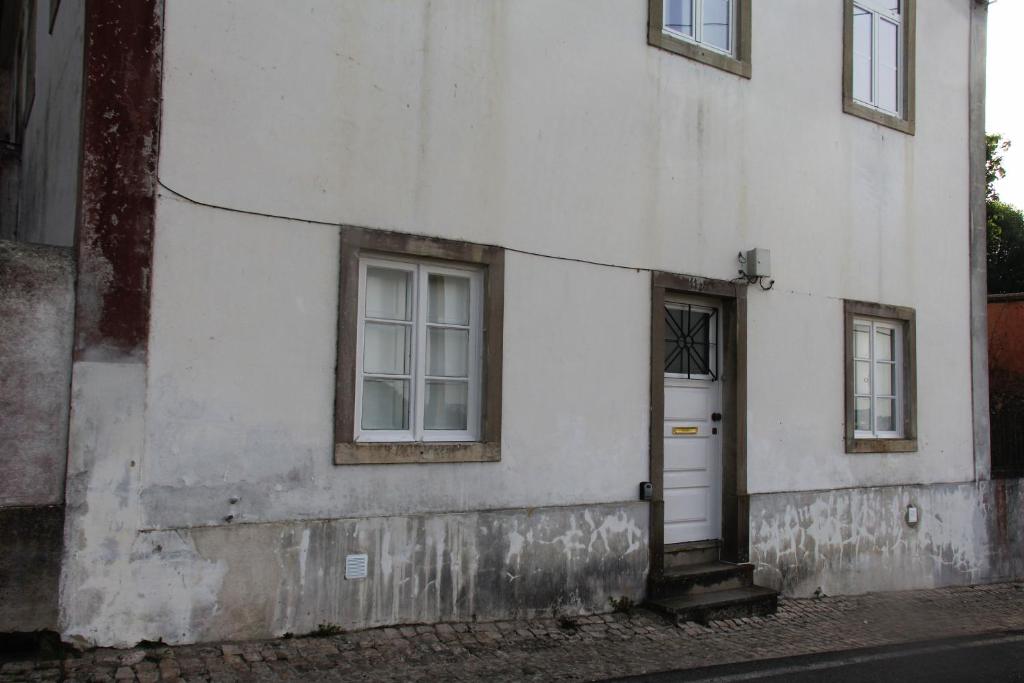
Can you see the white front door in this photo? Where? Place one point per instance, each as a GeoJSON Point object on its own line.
{"type": "Point", "coordinates": [692, 430]}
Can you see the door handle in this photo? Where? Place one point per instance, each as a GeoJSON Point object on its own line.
{"type": "Point", "coordinates": [716, 417]}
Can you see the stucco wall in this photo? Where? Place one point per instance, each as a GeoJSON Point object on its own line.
{"type": "Point", "coordinates": [554, 128]}
{"type": "Point", "coordinates": [551, 129]}
{"type": "Point", "coordinates": [50, 150]}
{"type": "Point", "coordinates": [241, 383]}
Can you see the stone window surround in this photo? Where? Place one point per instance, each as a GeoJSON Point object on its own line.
{"type": "Point", "coordinates": [738, 63]}
{"type": "Point", "coordinates": [907, 443]}
{"type": "Point", "coordinates": [354, 242]}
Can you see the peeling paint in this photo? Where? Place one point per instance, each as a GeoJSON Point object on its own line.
{"type": "Point", "coordinates": [120, 121]}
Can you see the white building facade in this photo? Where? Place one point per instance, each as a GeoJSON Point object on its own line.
{"type": "Point", "coordinates": [430, 289]}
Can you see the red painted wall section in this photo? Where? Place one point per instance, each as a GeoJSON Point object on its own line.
{"type": "Point", "coordinates": [120, 148]}
{"type": "Point", "coordinates": [1006, 346]}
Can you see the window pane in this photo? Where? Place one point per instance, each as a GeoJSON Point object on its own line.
{"type": "Point", "coordinates": [385, 404]}
{"type": "Point", "coordinates": [688, 342]}
{"type": "Point", "coordinates": [861, 341]}
{"type": "Point", "coordinates": [861, 377]}
{"type": "Point", "coordinates": [884, 418]}
{"type": "Point", "coordinates": [679, 16]}
{"type": "Point", "coordinates": [388, 294]}
{"type": "Point", "coordinates": [885, 379]}
{"type": "Point", "coordinates": [386, 349]}
{"type": "Point", "coordinates": [861, 54]}
{"type": "Point", "coordinates": [716, 21]}
{"type": "Point", "coordinates": [447, 352]}
{"type": "Point", "coordinates": [449, 299]}
{"type": "Point", "coordinates": [445, 405]}
{"type": "Point", "coordinates": [884, 348]}
{"type": "Point", "coordinates": [862, 415]}
{"type": "Point", "coordinates": [888, 70]}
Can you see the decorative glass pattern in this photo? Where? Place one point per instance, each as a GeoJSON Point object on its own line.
{"type": "Point", "coordinates": [691, 340]}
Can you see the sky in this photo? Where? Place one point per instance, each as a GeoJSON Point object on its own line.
{"type": "Point", "coordinates": [1004, 97]}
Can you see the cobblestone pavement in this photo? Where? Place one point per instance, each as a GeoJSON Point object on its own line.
{"type": "Point", "coordinates": [584, 648]}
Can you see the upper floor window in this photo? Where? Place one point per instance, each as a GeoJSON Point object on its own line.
{"type": "Point", "coordinates": [878, 49]}
{"type": "Point", "coordinates": [708, 22]}
{"type": "Point", "coordinates": [716, 32]}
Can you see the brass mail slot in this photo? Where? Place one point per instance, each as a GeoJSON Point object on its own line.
{"type": "Point", "coordinates": [683, 431]}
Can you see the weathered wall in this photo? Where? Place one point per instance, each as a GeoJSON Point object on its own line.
{"type": "Point", "coordinates": [498, 123]}
{"type": "Point", "coordinates": [240, 393]}
{"type": "Point", "coordinates": [857, 540]}
{"type": "Point", "coordinates": [1005, 335]}
{"type": "Point", "coordinates": [264, 580]}
{"type": "Point", "coordinates": [30, 557]}
{"type": "Point", "coordinates": [36, 315]}
{"type": "Point", "coordinates": [36, 312]}
{"type": "Point", "coordinates": [51, 143]}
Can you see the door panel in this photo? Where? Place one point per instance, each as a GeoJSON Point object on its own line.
{"type": "Point", "coordinates": [692, 488]}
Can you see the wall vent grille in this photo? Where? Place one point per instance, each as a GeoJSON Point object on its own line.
{"type": "Point", "coordinates": [355, 566]}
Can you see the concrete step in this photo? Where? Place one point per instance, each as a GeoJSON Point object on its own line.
{"type": "Point", "coordinates": [702, 578]}
{"type": "Point", "coordinates": [749, 601]}
{"type": "Point", "coordinates": [689, 554]}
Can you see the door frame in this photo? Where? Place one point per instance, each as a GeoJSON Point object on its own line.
{"type": "Point", "coordinates": [732, 298]}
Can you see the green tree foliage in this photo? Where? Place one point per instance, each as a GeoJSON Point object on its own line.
{"type": "Point", "coordinates": [1005, 227]}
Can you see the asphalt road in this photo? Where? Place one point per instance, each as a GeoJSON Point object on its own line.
{"type": "Point", "coordinates": [996, 658]}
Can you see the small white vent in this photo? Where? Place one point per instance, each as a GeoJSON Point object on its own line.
{"type": "Point", "coordinates": [355, 566]}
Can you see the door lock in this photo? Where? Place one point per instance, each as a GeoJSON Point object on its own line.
{"type": "Point", "coordinates": [716, 417]}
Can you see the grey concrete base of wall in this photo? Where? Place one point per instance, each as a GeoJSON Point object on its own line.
{"type": "Point", "coordinates": [30, 556]}
{"type": "Point", "coordinates": [858, 540]}
{"type": "Point", "coordinates": [265, 580]}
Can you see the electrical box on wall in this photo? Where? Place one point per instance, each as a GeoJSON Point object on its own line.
{"type": "Point", "coordinates": [759, 263]}
{"type": "Point", "coordinates": [912, 515]}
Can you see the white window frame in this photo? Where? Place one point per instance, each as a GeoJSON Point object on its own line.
{"type": "Point", "coordinates": [879, 13]}
{"type": "Point", "coordinates": [698, 28]}
{"type": "Point", "coordinates": [896, 327]}
{"type": "Point", "coordinates": [416, 433]}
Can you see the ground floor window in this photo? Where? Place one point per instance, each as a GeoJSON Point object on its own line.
{"type": "Point", "coordinates": [880, 378]}
{"type": "Point", "coordinates": [419, 349]}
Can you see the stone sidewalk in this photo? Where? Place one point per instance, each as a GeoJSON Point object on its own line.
{"type": "Point", "coordinates": [580, 649]}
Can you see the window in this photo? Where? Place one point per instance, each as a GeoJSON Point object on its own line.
{"type": "Point", "coordinates": [691, 341]}
{"type": "Point", "coordinates": [716, 32]}
{"type": "Point", "coordinates": [878, 62]}
{"type": "Point", "coordinates": [880, 378]}
{"type": "Point", "coordinates": [419, 350]}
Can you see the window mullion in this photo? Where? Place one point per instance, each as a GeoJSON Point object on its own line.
{"type": "Point", "coordinates": [698, 20]}
{"type": "Point", "coordinates": [420, 355]}
{"type": "Point", "coordinates": [875, 21]}
{"type": "Point", "coordinates": [871, 379]}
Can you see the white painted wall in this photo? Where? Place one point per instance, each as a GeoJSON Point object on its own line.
{"type": "Point", "coordinates": [50, 149]}
{"type": "Point", "coordinates": [550, 127]}
{"type": "Point", "coordinates": [241, 383]}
